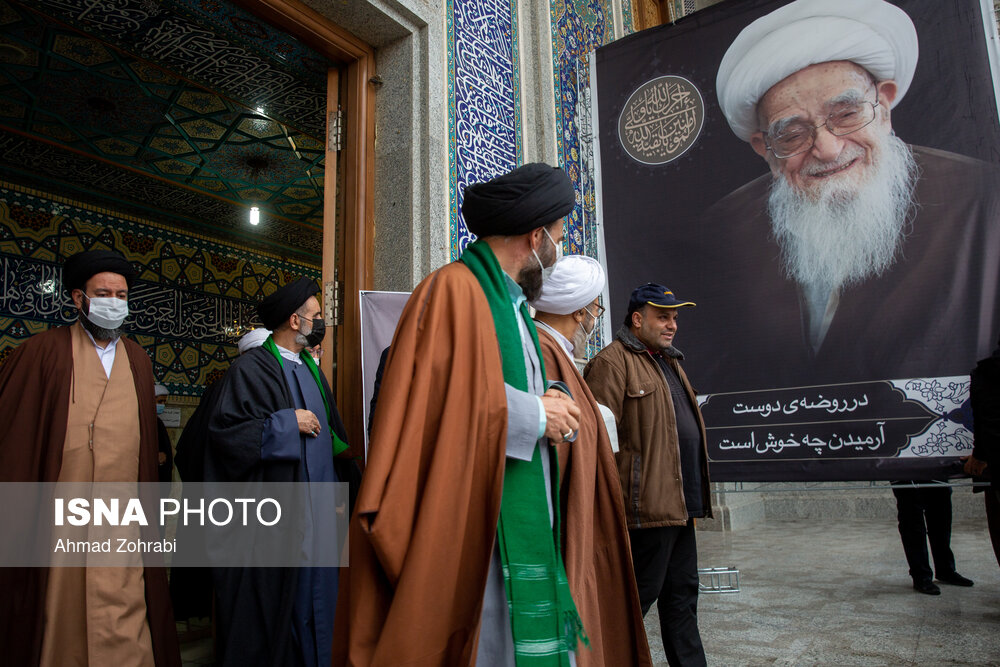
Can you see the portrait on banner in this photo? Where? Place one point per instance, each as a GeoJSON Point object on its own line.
{"type": "Point", "coordinates": [837, 219]}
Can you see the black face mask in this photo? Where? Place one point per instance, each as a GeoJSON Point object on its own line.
{"type": "Point", "coordinates": [315, 337]}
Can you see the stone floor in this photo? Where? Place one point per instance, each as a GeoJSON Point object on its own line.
{"type": "Point", "coordinates": [831, 593]}
{"type": "Point", "coordinates": [838, 593]}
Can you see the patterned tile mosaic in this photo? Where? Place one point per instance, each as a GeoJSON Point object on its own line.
{"type": "Point", "coordinates": [214, 44]}
{"type": "Point", "coordinates": [79, 92]}
{"type": "Point", "coordinates": [193, 299]}
{"type": "Point", "coordinates": [484, 99]}
{"type": "Point", "coordinates": [578, 28]}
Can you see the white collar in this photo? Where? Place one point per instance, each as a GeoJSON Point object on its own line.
{"type": "Point", "coordinates": [567, 345]}
{"type": "Point", "coordinates": [288, 354]}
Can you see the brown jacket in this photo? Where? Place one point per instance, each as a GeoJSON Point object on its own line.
{"type": "Point", "coordinates": [595, 538]}
{"type": "Point", "coordinates": [624, 377]}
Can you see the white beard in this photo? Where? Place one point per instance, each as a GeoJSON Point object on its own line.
{"type": "Point", "coordinates": [845, 233]}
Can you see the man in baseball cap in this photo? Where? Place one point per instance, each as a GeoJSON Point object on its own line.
{"type": "Point", "coordinates": [662, 461]}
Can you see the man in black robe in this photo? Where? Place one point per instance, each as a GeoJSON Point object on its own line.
{"type": "Point", "coordinates": [191, 587]}
{"type": "Point", "coordinates": [275, 420]}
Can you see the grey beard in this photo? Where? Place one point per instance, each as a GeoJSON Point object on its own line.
{"type": "Point", "coordinates": [99, 333]}
{"type": "Point", "coordinates": [530, 280]}
{"type": "Point", "coordinates": [579, 343]}
{"type": "Point", "coordinates": [301, 340]}
{"type": "Point", "coordinates": [843, 237]}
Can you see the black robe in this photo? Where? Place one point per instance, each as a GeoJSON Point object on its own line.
{"type": "Point", "coordinates": [254, 610]}
{"type": "Point", "coordinates": [191, 587]}
{"type": "Point", "coordinates": [932, 314]}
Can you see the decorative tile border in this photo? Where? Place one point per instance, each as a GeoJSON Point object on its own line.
{"type": "Point", "coordinates": [484, 104]}
{"type": "Point", "coordinates": [629, 26]}
{"type": "Point", "coordinates": [578, 28]}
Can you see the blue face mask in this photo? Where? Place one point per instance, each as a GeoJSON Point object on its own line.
{"type": "Point", "coordinates": [160, 407]}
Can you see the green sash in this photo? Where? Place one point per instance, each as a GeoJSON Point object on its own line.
{"type": "Point", "coordinates": [269, 345]}
{"type": "Point", "coordinates": [544, 619]}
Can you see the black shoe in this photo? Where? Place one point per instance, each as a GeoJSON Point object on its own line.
{"type": "Point", "coordinates": [955, 579]}
{"type": "Point", "coordinates": [926, 587]}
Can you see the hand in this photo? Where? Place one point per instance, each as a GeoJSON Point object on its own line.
{"type": "Point", "coordinates": [308, 423]}
{"type": "Point", "coordinates": [973, 466]}
{"type": "Point", "coordinates": [562, 415]}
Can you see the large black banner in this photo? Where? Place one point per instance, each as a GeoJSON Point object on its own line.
{"type": "Point", "coordinates": [821, 178]}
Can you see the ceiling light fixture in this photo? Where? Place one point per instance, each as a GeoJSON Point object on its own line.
{"type": "Point", "coordinates": [254, 215]}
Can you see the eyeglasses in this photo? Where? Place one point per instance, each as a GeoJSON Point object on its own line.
{"type": "Point", "coordinates": [797, 137]}
{"type": "Point", "coordinates": [600, 312]}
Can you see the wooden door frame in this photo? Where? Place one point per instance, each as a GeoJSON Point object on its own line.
{"type": "Point", "coordinates": [358, 158]}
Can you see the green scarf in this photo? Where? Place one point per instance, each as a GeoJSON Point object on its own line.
{"type": "Point", "coordinates": [544, 621]}
{"type": "Point", "coordinates": [269, 345]}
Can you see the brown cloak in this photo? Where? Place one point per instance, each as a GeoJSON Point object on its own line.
{"type": "Point", "coordinates": [34, 402]}
{"type": "Point", "coordinates": [426, 516]}
{"type": "Point", "coordinates": [595, 538]}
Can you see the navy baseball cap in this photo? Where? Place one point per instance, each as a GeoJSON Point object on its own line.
{"type": "Point", "coordinates": [654, 295]}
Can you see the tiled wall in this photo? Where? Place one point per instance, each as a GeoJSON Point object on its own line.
{"type": "Point", "coordinates": [194, 297]}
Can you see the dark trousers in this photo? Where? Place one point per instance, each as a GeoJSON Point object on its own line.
{"type": "Point", "coordinates": [993, 516]}
{"type": "Point", "coordinates": [925, 514]}
{"type": "Point", "coordinates": [666, 572]}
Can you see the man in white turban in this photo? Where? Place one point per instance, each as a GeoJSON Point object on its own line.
{"type": "Point", "coordinates": [568, 308]}
{"type": "Point", "coordinates": [598, 560]}
{"type": "Point", "coordinates": [853, 234]}
{"type": "Point", "coordinates": [252, 339]}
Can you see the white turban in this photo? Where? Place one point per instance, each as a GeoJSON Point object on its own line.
{"type": "Point", "coordinates": [870, 33]}
{"type": "Point", "coordinates": [574, 284]}
{"type": "Point", "coordinates": [160, 390]}
{"type": "Point", "coordinates": [253, 339]}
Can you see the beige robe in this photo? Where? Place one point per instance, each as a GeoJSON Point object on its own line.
{"type": "Point", "coordinates": [97, 616]}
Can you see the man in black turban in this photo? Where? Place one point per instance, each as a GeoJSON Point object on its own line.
{"type": "Point", "coordinates": [460, 440]}
{"type": "Point", "coordinates": [275, 420]}
{"type": "Point", "coordinates": [519, 215]}
{"type": "Point", "coordinates": [77, 405]}
{"type": "Point", "coordinates": [518, 202]}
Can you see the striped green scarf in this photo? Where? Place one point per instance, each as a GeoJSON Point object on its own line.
{"type": "Point", "coordinates": [269, 345]}
{"type": "Point", "coordinates": [544, 620]}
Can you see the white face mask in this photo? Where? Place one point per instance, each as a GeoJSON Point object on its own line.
{"type": "Point", "coordinates": [582, 336]}
{"type": "Point", "coordinates": [587, 335]}
{"type": "Point", "coordinates": [107, 312]}
{"type": "Point", "coordinates": [547, 270]}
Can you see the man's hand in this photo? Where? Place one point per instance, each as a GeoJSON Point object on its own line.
{"type": "Point", "coordinates": [973, 466]}
{"type": "Point", "coordinates": [562, 415]}
{"type": "Point", "coordinates": [308, 423]}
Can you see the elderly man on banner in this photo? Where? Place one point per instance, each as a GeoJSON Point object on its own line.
{"type": "Point", "coordinates": [598, 560]}
{"type": "Point", "coordinates": [868, 231]}
{"type": "Point", "coordinates": [456, 536]}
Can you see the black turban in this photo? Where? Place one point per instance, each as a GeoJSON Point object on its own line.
{"type": "Point", "coordinates": [275, 309]}
{"type": "Point", "coordinates": [79, 268]}
{"type": "Point", "coordinates": [516, 203]}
